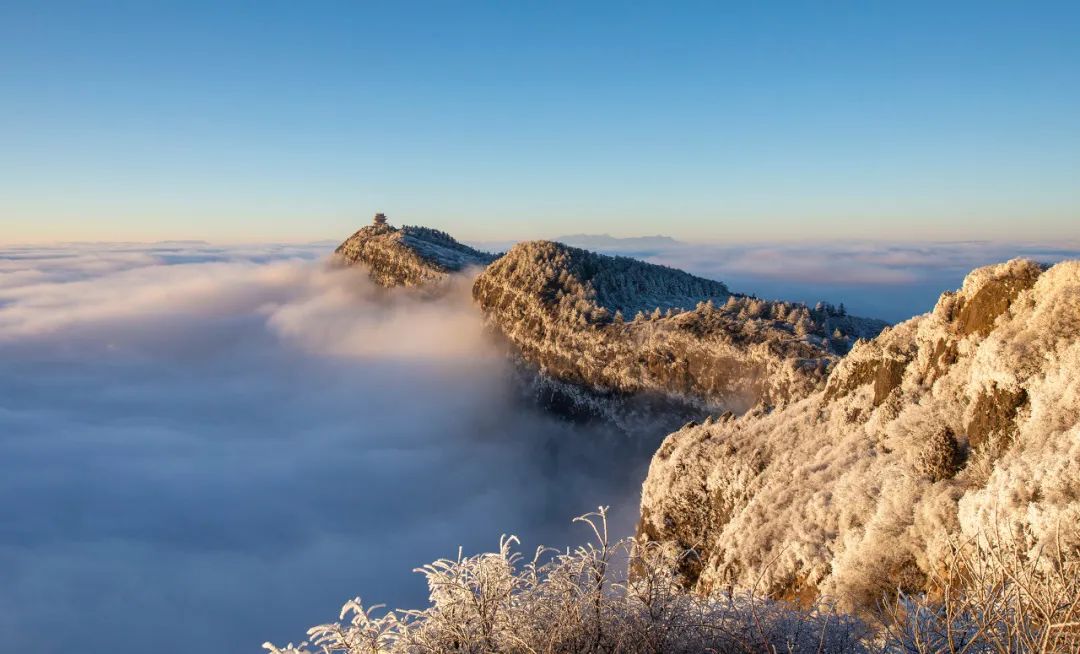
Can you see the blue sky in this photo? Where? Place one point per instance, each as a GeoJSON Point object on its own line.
{"type": "Point", "coordinates": [737, 122]}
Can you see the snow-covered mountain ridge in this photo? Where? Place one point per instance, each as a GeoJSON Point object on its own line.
{"type": "Point", "coordinates": [409, 256]}
{"type": "Point", "coordinates": [615, 324]}
{"type": "Point", "coordinates": [959, 422]}
{"type": "Point", "coordinates": [596, 330]}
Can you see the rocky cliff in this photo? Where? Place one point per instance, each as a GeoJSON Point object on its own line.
{"type": "Point", "coordinates": [959, 422]}
{"type": "Point", "coordinates": [622, 326]}
{"type": "Point", "coordinates": [409, 256]}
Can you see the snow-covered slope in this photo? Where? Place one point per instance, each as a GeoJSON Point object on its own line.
{"type": "Point", "coordinates": [618, 325]}
{"type": "Point", "coordinates": [958, 422]}
{"type": "Point", "coordinates": [410, 256]}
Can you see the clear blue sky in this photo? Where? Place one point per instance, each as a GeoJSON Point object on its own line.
{"type": "Point", "coordinates": [722, 121]}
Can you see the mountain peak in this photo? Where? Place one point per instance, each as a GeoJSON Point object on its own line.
{"type": "Point", "coordinates": [410, 255]}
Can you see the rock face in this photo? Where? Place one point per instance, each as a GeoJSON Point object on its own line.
{"type": "Point", "coordinates": [959, 422]}
{"type": "Point", "coordinates": [410, 256]}
{"type": "Point", "coordinates": [620, 326]}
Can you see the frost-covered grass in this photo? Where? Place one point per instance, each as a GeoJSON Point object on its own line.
{"type": "Point", "coordinates": [624, 596]}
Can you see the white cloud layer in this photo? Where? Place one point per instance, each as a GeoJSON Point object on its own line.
{"type": "Point", "coordinates": [210, 447]}
{"type": "Point", "coordinates": [206, 448]}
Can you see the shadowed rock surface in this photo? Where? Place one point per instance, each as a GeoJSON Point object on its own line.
{"type": "Point", "coordinates": [957, 422]}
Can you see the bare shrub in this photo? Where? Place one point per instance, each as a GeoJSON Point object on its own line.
{"type": "Point", "coordinates": [994, 596]}
{"type": "Point", "coordinates": [581, 600]}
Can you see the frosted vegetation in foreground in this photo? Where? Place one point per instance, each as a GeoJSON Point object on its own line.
{"type": "Point", "coordinates": [959, 422]}
{"type": "Point", "coordinates": [624, 596]}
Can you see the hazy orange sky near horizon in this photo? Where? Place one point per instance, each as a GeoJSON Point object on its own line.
{"type": "Point", "coordinates": [58, 236]}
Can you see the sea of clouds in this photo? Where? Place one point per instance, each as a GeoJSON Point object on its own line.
{"type": "Point", "coordinates": [209, 447]}
{"type": "Point", "coordinates": [206, 448]}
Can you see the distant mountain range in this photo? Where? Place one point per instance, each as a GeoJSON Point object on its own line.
{"type": "Point", "coordinates": [640, 247]}
{"type": "Point", "coordinates": [607, 242]}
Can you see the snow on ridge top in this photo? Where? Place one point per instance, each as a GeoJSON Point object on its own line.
{"type": "Point", "coordinates": [617, 283]}
{"type": "Point", "coordinates": [409, 256]}
{"type": "Point", "coordinates": [602, 285]}
{"type": "Point", "coordinates": [615, 324]}
{"type": "Point", "coordinates": [1018, 268]}
{"type": "Point", "coordinates": [438, 246]}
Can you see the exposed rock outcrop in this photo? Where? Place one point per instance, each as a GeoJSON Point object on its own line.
{"type": "Point", "coordinates": [962, 421]}
{"type": "Point", "coordinates": [621, 326]}
{"type": "Point", "coordinates": [409, 256]}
